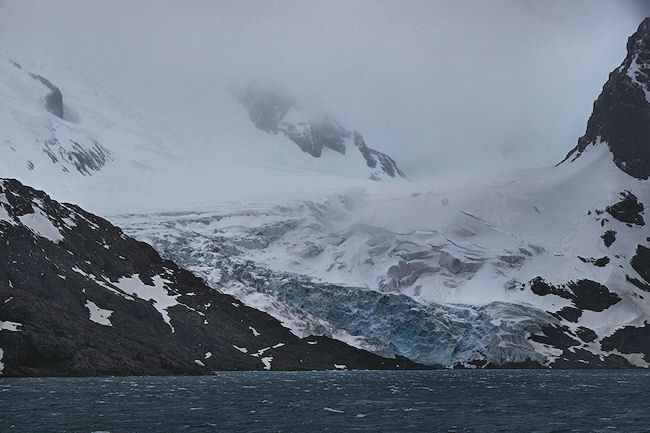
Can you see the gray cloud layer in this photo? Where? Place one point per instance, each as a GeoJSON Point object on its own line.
{"type": "Point", "coordinates": [485, 86]}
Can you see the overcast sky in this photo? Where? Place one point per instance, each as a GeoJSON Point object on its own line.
{"type": "Point", "coordinates": [481, 85]}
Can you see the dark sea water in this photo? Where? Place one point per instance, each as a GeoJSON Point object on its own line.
{"type": "Point", "coordinates": [446, 401]}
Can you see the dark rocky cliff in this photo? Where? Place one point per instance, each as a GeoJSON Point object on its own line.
{"type": "Point", "coordinates": [78, 297]}
{"type": "Point", "coordinates": [54, 99]}
{"type": "Point", "coordinates": [621, 114]}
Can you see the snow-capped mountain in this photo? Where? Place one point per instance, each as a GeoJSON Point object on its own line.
{"type": "Point", "coordinates": [547, 267]}
{"type": "Point", "coordinates": [72, 137]}
{"type": "Point", "coordinates": [78, 297]}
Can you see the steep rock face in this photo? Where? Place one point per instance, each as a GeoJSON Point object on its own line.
{"type": "Point", "coordinates": [641, 264]}
{"type": "Point", "coordinates": [621, 114]}
{"type": "Point", "coordinates": [54, 99]}
{"type": "Point", "coordinates": [276, 112]}
{"type": "Point", "coordinates": [628, 210]}
{"type": "Point", "coordinates": [374, 158]}
{"type": "Point", "coordinates": [78, 297]}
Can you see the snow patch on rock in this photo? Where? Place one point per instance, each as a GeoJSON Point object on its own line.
{"type": "Point", "coordinates": [39, 223]}
{"type": "Point", "coordinates": [99, 315]}
{"type": "Point", "coordinates": [10, 326]}
{"type": "Point", "coordinates": [267, 362]}
{"type": "Point", "coordinates": [157, 293]}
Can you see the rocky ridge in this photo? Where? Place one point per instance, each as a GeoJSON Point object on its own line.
{"type": "Point", "coordinates": [621, 114]}
{"type": "Point", "coordinates": [78, 297]}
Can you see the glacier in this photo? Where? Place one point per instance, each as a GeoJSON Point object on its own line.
{"type": "Point", "coordinates": [441, 274]}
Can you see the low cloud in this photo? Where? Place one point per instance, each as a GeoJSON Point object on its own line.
{"type": "Point", "coordinates": [453, 87]}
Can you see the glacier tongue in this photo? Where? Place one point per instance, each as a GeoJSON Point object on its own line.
{"type": "Point", "coordinates": [427, 332]}
{"type": "Point", "coordinates": [381, 322]}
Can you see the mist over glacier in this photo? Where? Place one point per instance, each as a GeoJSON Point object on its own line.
{"type": "Point", "coordinates": [449, 89]}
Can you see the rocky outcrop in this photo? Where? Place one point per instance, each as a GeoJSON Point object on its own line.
{"type": "Point", "coordinates": [584, 294]}
{"type": "Point", "coordinates": [621, 114]}
{"type": "Point", "coordinates": [268, 109]}
{"type": "Point", "coordinates": [641, 264]}
{"type": "Point", "coordinates": [314, 136]}
{"type": "Point", "coordinates": [78, 297]}
{"type": "Point", "coordinates": [375, 158]}
{"type": "Point", "coordinates": [54, 99]}
{"type": "Point", "coordinates": [628, 210]}
{"type": "Point", "coordinates": [630, 339]}
{"type": "Point", "coordinates": [85, 160]}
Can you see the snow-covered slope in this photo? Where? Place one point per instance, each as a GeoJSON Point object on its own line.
{"type": "Point", "coordinates": [74, 138]}
{"type": "Point", "coordinates": [546, 267]}
{"type": "Point", "coordinates": [86, 148]}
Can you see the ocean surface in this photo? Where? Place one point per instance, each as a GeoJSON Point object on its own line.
{"type": "Point", "coordinates": [427, 401]}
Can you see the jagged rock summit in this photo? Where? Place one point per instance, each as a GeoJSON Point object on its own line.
{"type": "Point", "coordinates": [621, 114]}
{"type": "Point", "coordinates": [78, 297]}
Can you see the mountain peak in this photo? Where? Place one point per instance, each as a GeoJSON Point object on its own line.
{"type": "Point", "coordinates": [640, 41]}
{"type": "Point", "coordinates": [621, 114]}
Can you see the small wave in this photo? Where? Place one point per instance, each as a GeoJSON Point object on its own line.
{"type": "Point", "coordinates": [329, 409]}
